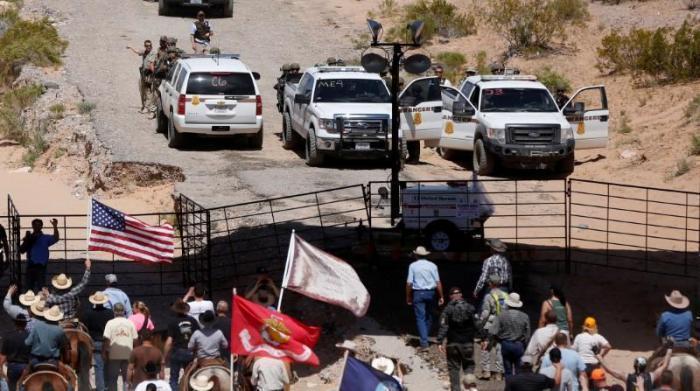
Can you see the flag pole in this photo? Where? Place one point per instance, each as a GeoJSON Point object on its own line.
{"type": "Point", "coordinates": [230, 348]}
{"type": "Point", "coordinates": [345, 364]}
{"type": "Point", "coordinates": [287, 266]}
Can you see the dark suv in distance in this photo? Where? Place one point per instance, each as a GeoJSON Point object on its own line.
{"type": "Point", "coordinates": [165, 7]}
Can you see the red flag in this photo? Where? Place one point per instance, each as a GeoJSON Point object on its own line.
{"type": "Point", "coordinates": [258, 331]}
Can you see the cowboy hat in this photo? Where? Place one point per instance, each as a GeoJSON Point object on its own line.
{"type": "Point", "coordinates": [201, 383]}
{"type": "Point", "coordinates": [53, 314]}
{"type": "Point", "coordinates": [28, 298]}
{"type": "Point", "coordinates": [513, 300]}
{"type": "Point", "coordinates": [98, 298]}
{"type": "Point", "coordinates": [383, 364]}
{"type": "Point", "coordinates": [38, 308]}
{"type": "Point", "coordinates": [180, 307]}
{"type": "Point", "coordinates": [264, 296]}
{"type": "Point", "coordinates": [421, 251]}
{"type": "Point", "coordinates": [677, 300]}
{"type": "Point", "coordinates": [61, 281]}
{"type": "Point", "coordinates": [497, 245]}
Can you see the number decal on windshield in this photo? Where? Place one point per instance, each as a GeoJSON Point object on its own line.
{"type": "Point", "coordinates": [218, 81]}
{"type": "Point", "coordinates": [331, 83]}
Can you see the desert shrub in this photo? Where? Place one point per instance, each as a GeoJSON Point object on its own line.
{"type": "Point", "coordinates": [388, 7]}
{"type": "Point", "coordinates": [57, 110]}
{"type": "Point", "coordinates": [440, 17]}
{"type": "Point", "coordinates": [36, 145]}
{"type": "Point", "coordinates": [480, 60]}
{"type": "Point", "coordinates": [664, 53]}
{"type": "Point", "coordinates": [12, 103]}
{"type": "Point", "coordinates": [553, 80]}
{"type": "Point", "coordinates": [695, 144]}
{"type": "Point", "coordinates": [29, 41]}
{"type": "Point", "coordinates": [693, 109]}
{"type": "Point", "coordinates": [452, 61]}
{"type": "Point", "coordinates": [624, 127]}
{"type": "Point", "coordinates": [692, 4]}
{"type": "Point", "coordinates": [682, 167]}
{"type": "Point", "coordinates": [86, 107]}
{"type": "Point", "coordinates": [530, 25]}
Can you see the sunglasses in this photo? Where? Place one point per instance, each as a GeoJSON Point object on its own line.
{"type": "Point", "coordinates": [456, 293]}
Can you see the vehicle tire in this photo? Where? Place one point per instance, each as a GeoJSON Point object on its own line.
{"type": "Point", "coordinates": [175, 139]}
{"type": "Point", "coordinates": [566, 165]}
{"type": "Point", "coordinates": [161, 121]}
{"type": "Point", "coordinates": [163, 8]}
{"type": "Point", "coordinates": [289, 137]}
{"type": "Point", "coordinates": [484, 161]}
{"type": "Point", "coordinates": [441, 236]}
{"type": "Point", "coordinates": [314, 157]}
{"type": "Point", "coordinates": [256, 141]}
{"type": "Point", "coordinates": [228, 9]}
{"type": "Point", "coordinates": [448, 154]}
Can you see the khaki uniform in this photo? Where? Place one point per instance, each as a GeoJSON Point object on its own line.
{"type": "Point", "coordinates": [146, 81]}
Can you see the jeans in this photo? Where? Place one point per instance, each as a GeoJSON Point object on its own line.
{"type": "Point", "coordinates": [180, 358]}
{"type": "Point", "coordinates": [114, 369]}
{"type": "Point", "coordinates": [98, 363]}
{"type": "Point", "coordinates": [460, 356]}
{"type": "Point", "coordinates": [511, 351]}
{"type": "Point", "coordinates": [423, 305]}
{"type": "Point", "coordinates": [14, 372]}
{"type": "Point", "coordinates": [35, 278]}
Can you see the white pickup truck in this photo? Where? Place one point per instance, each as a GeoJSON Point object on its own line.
{"type": "Point", "coordinates": [339, 111]}
{"type": "Point", "coordinates": [513, 121]}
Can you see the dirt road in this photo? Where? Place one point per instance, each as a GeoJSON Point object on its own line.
{"type": "Point", "coordinates": [106, 72]}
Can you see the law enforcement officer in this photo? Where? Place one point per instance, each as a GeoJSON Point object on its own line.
{"type": "Point", "coordinates": [279, 86]}
{"type": "Point", "coordinates": [201, 33]}
{"type": "Point", "coordinates": [561, 97]}
{"type": "Point", "coordinates": [145, 74]}
{"type": "Point", "coordinates": [439, 72]}
{"type": "Point", "coordinates": [470, 71]}
{"type": "Point", "coordinates": [455, 336]}
{"type": "Point", "coordinates": [497, 68]}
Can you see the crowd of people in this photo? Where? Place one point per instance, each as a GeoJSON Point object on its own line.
{"type": "Point", "coordinates": [554, 356]}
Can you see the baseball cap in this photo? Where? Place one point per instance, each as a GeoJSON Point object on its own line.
{"type": "Point", "coordinates": [590, 323]}
{"type": "Point", "coordinates": [111, 278]}
{"type": "Point", "coordinates": [598, 374]}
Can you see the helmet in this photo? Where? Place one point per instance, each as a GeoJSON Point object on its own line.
{"type": "Point", "coordinates": [496, 66]}
{"type": "Point", "coordinates": [286, 67]}
{"type": "Point", "coordinates": [214, 50]}
{"type": "Point", "coordinates": [294, 66]}
{"type": "Point", "coordinates": [172, 41]}
{"type": "Point", "coordinates": [640, 365]}
{"type": "Point", "coordinates": [331, 61]}
{"type": "Point", "coordinates": [163, 38]}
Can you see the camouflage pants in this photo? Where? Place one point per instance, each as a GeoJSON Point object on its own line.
{"type": "Point", "coordinates": [147, 92]}
{"type": "Point", "coordinates": [491, 359]}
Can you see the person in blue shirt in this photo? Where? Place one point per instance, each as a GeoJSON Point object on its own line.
{"type": "Point", "coordinates": [676, 323]}
{"type": "Point", "coordinates": [116, 295]}
{"type": "Point", "coordinates": [421, 285]}
{"type": "Point", "coordinates": [36, 245]}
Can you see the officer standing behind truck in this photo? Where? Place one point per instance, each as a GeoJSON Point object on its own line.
{"type": "Point", "coordinates": [201, 34]}
{"type": "Point", "coordinates": [145, 74]}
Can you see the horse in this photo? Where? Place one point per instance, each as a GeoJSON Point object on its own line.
{"type": "Point", "coordinates": [685, 368]}
{"type": "Point", "coordinates": [81, 348]}
{"type": "Point", "coordinates": [49, 377]}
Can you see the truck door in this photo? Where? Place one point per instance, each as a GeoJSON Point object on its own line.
{"type": "Point", "coordinates": [587, 112]}
{"type": "Point", "coordinates": [305, 88]}
{"type": "Point", "coordinates": [458, 124]}
{"type": "Point", "coordinates": [421, 109]}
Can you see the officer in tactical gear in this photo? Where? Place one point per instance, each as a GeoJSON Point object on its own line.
{"type": "Point", "coordinates": [214, 50]}
{"type": "Point", "coordinates": [497, 68]}
{"type": "Point", "coordinates": [148, 56]}
{"type": "Point", "coordinates": [561, 97]}
{"type": "Point", "coordinates": [470, 71]}
{"type": "Point", "coordinates": [456, 335]}
{"type": "Point", "coordinates": [201, 34]}
{"type": "Point", "coordinates": [290, 74]}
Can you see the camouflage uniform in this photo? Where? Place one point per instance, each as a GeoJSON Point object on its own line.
{"type": "Point", "coordinates": [146, 80]}
{"type": "Point", "coordinates": [458, 328]}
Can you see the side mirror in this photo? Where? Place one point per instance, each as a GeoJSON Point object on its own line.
{"type": "Point", "coordinates": [302, 99]}
{"type": "Point", "coordinates": [256, 76]}
{"type": "Point", "coordinates": [469, 111]}
{"type": "Point", "coordinates": [568, 111]}
{"type": "Point", "coordinates": [407, 101]}
{"type": "Point", "coordinates": [579, 107]}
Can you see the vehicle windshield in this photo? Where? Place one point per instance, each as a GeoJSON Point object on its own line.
{"type": "Point", "coordinates": [351, 91]}
{"type": "Point", "coordinates": [517, 100]}
{"type": "Point", "coordinates": [220, 84]}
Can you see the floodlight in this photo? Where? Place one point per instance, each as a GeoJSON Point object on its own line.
{"type": "Point", "coordinates": [375, 29]}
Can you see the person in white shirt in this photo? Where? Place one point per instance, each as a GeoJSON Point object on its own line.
{"type": "Point", "coordinates": [589, 343]}
{"type": "Point", "coordinates": [439, 71]}
{"type": "Point", "coordinates": [269, 374]}
{"type": "Point", "coordinates": [542, 339]}
{"type": "Point", "coordinates": [152, 383]}
{"type": "Point", "coordinates": [198, 306]}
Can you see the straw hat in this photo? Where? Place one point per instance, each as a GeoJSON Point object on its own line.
{"type": "Point", "coordinates": [98, 298]}
{"type": "Point", "coordinates": [590, 324]}
{"type": "Point", "coordinates": [61, 281]}
{"type": "Point", "coordinates": [497, 245]}
{"type": "Point", "coordinates": [38, 307]}
{"type": "Point", "coordinates": [201, 383]}
{"type": "Point", "coordinates": [677, 300]}
{"type": "Point", "coordinates": [469, 379]}
{"type": "Point", "coordinates": [383, 364]}
{"type": "Point", "coordinates": [421, 251]}
{"type": "Point", "coordinates": [28, 298]}
{"type": "Point", "coordinates": [53, 314]}
{"type": "Point", "coordinates": [513, 300]}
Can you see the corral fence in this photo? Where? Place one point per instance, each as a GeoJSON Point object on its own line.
{"type": "Point", "coordinates": [568, 223]}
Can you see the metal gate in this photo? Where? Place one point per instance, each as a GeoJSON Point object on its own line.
{"type": "Point", "coordinates": [13, 238]}
{"type": "Point", "coordinates": [195, 230]}
{"type": "Point", "coordinates": [634, 228]}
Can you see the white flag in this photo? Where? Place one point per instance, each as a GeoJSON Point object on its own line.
{"type": "Point", "coordinates": [324, 277]}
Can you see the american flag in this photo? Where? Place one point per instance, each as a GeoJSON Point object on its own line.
{"type": "Point", "coordinates": [118, 233]}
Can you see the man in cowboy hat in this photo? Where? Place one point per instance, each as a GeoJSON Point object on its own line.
{"type": "Point", "coordinates": [65, 297]}
{"type": "Point", "coordinates": [15, 353]}
{"type": "Point", "coordinates": [152, 369]}
{"type": "Point", "coordinates": [13, 310]}
{"type": "Point", "coordinates": [497, 264]}
{"type": "Point", "coordinates": [421, 285]}
{"type": "Point", "coordinates": [201, 383]}
{"type": "Point", "coordinates": [116, 295]}
{"type": "Point", "coordinates": [512, 329]}
{"type": "Point", "coordinates": [118, 342]}
{"type": "Point", "coordinates": [180, 330]}
{"type": "Point", "coordinates": [456, 336]}
{"type": "Point", "coordinates": [46, 339]}
{"type": "Point", "coordinates": [676, 323]}
{"type": "Point", "coordinates": [95, 318]}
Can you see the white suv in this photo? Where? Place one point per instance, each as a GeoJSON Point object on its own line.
{"type": "Point", "coordinates": [214, 95]}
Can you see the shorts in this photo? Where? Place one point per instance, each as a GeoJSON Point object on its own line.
{"type": "Point", "coordinates": [201, 47]}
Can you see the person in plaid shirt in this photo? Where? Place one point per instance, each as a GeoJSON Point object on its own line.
{"type": "Point", "coordinates": [65, 299]}
{"type": "Point", "coordinates": [497, 264]}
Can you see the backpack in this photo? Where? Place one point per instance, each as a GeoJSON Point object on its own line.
{"type": "Point", "coordinates": [500, 301]}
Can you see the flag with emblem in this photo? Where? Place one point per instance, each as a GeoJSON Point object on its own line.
{"type": "Point", "coordinates": [120, 234]}
{"type": "Point", "coordinates": [259, 331]}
